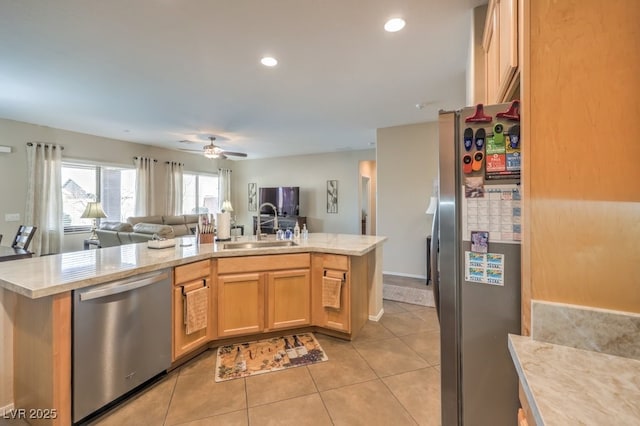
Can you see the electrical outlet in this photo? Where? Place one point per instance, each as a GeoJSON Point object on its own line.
{"type": "Point", "coordinates": [12, 217]}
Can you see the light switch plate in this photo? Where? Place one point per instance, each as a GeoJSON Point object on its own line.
{"type": "Point", "coordinates": [12, 217]}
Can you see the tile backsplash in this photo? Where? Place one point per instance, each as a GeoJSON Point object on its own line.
{"type": "Point", "coordinates": [583, 327]}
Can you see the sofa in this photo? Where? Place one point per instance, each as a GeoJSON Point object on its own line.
{"type": "Point", "coordinates": [138, 229]}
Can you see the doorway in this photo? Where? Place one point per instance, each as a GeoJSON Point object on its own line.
{"type": "Point", "coordinates": [365, 223]}
{"type": "Point", "coordinates": [367, 198]}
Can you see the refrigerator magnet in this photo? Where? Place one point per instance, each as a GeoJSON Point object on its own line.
{"type": "Point", "coordinates": [474, 187]}
{"type": "Point", "coordinates": [479, 241]}
{"type": "Point", "coordinates": [468, 138]}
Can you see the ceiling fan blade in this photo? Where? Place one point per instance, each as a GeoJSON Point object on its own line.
{"type": "Point", "coordinates": [190, 150]}
{"type": "Point", "coordinates": [237, 154]}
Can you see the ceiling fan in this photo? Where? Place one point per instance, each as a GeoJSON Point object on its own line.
{"type": "Point", "coordinates": [214, 151]}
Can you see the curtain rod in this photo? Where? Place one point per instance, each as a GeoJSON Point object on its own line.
{"type": "Point", "coordinates": [154, 160]}
{"type": "Point", "coordinates": [42, 143]}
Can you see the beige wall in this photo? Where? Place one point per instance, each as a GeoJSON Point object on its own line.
{"type": "Point", "coordinates": [310, 173]}
{"type": "Point", "coordinates": [407, 163]}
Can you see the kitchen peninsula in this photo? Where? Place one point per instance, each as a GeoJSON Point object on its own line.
{"type": "Point", "coordinates": [273, 279]}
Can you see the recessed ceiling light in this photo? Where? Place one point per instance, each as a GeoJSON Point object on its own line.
{"type": "Point", "coordinates": [268, 61]}
{"type": "Point", "coordinates": [395, 24]}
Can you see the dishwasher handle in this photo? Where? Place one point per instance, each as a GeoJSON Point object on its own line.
{"type": "Point", "coordinates": [123, 286]}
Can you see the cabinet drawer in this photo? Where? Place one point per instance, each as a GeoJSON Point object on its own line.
{"type": "Point", "coordinates": [192, 271]}
{"type": "Point", "coordinates": [335, 261]}
{"type": "Point", "coordinates": [231, 265]}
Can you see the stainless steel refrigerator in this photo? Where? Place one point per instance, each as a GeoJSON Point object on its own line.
{"type": "Point", "coordinates": [476, 262]}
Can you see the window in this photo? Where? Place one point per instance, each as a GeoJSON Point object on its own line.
{"type": "Point", "coordinates": [118, 193]}
{"type": "Point", "coordinates": [200, 193]}
{"type": "Point", "coordinates": [114, 187]}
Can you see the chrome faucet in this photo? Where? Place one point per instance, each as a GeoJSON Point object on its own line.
{"type": "Point", "coordinates": [259, 234]}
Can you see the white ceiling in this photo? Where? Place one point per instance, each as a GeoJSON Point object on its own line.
{"type": "Point", "coordinates": [158, 71]}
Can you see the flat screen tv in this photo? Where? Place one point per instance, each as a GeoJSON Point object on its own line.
{"type": "Point", "coordinates": [285, 198]}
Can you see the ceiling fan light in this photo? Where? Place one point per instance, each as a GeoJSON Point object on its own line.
{"type": "Point", "coordinates": [211, 152]}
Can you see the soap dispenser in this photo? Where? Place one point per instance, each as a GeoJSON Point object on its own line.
{"type": "Point", "coordinates": [296, 231]}
{"type": "Point", "coordinates": [305, 231]}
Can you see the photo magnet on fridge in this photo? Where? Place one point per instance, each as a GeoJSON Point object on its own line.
{"type": "Point", "coordinates": [479, 241]}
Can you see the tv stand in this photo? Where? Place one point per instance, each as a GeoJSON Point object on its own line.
{"type": "Point", "coordinates": [284, 222]}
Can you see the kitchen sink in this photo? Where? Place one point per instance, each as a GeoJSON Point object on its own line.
{"type": "Point", "coordinates": [258, 244]}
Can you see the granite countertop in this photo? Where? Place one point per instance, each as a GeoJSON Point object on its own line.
{"type": "Point", "coordinates": [48, 275]}
{"type": "Point", "coordinates": [569, 386]}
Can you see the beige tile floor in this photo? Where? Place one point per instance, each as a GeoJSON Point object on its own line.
{"type": "Point", "coordinates": [389, 375]}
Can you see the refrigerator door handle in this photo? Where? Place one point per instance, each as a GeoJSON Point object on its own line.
{"type": "Point", "coordinates": [433, 261]}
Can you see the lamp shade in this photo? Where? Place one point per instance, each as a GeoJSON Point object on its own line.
{"type": "Point", "coordinates": [93, 211]}
{"type": "Point", "coordinates": [433, 205]}
{"type": "Point", "coordinates": [226, 206]}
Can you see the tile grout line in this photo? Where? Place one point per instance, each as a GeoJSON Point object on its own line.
{"type": "Point", "coordinates": [173, 390]}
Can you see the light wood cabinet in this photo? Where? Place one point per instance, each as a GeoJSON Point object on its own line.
{"type": "Point", "coordinates": [580, 178]}
{"type": "Point", "coordinates": [188, 278]}
{"type": "Point", "coordinates": [334, 266]}
{"type": "Point", "coordinates": [500, 44]}
{"type": "Point", "coordinates": [240, 304]}
{"type": "Point", "coordinates": [262, 293]}
{"type": "Point", "coordinates": [288, 299]}
{"type": "Point", "coordinates": [358, 274]}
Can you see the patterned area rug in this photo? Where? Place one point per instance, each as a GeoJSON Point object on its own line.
{"type": "Point", "coordinates": [264, 356]}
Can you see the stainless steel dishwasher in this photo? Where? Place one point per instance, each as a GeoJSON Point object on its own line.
{"type": "Point", "coordinates": [121, 338]}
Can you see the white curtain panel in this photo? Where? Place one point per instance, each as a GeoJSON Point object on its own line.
{"type": "Point", "coordinates": [145, 201]}
{"type": "Point", "coordinates": [174, 173]}
{"type": "Point", "coordinates": [224, 187]}
{"type": "Point", "coordinates": [44, 197]}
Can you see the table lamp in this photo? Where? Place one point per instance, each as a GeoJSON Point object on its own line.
{"type": "Point", "coordinates": [93, 211]}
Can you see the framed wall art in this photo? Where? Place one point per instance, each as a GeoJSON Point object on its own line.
{"type": "Point", "coordinates": [253, 197]}
{"type": "Point", "coordinates": [332, 196]}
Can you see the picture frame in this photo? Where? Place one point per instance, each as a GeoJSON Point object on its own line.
{"type": "Point", "coordinates": [332, 196]}
{"type": "Point", "coordinates": [252, 204]}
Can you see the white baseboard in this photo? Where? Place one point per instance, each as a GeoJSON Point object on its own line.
{"type": "Point", "coordinates": [377, 317]}
{"type": "Point", "coordinates": [400, 274]}
{"type": "Point", "coordinates": [6, 409]}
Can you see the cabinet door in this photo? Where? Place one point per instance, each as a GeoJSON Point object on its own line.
{"type": "Point", "coordinates": [340, 319]}
{"type": "Point", "coordinates": [289, 299]}
{"type": "Point", "coordinates": [508, 56]}
{"type": "Point", "coordinates": [240, 304]}
{"type": "Point", "coordinates": [491, 46]}
{"type": "Point", "coordinates": [183, 342]}
{"type": "Point", "coordinates": [500, 44]}
{"type": "Point", "coordinates": [334, 266]}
